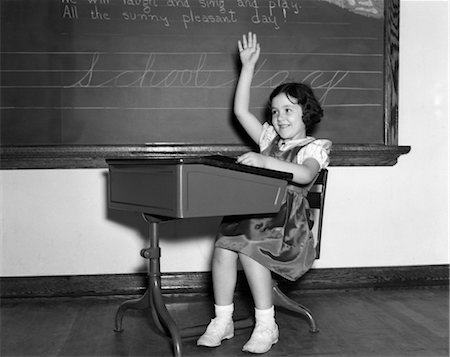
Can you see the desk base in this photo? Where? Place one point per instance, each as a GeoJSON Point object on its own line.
{"type": "Point", "coordinates": [152, 299]}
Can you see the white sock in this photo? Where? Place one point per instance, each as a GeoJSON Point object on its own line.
{"type": "Point", "coordinates": [265, 316]}
{"type": "Point", "coordinates": [224, 312]}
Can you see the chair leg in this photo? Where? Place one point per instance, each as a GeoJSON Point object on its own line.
{"type": "Point", "coordinates": [281, 300]}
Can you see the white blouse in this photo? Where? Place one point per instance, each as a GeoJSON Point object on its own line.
{"type": "Point", "coordinates": [317, 149]}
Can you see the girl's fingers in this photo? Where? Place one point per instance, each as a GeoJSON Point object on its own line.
{"type": "Point", "coordinates": [248, 42]}
{"type": "Point", "coordinates": [241, 158]}
{"type": "Point", "coordinates": [244, 41]}
{"type": "Point", "coordinates": [252, 40]}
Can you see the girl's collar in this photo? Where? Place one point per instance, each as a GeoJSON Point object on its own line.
{"type": "Point", "coordinates": [287, 143]}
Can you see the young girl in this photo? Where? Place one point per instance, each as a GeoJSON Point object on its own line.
{"type": "Point", "coordinates": [283, 242]}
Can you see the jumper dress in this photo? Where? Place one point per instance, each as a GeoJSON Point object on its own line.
{"type": "Point", "coordinates": [283, 242]}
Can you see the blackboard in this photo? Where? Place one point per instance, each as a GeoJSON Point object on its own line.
{"type": "Point", "coordinates": [131, 72]}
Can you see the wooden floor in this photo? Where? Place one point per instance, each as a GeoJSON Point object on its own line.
{"type": "Point", "coordinates": [410, 322]}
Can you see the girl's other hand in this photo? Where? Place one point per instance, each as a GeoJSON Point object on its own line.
{"type": "Point", "coordinates": [249, 49]}
{"type": "Point", "coordinates": [252, 159]}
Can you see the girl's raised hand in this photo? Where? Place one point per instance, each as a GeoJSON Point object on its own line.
{"type": "Point", "coordinates": [249, 49]}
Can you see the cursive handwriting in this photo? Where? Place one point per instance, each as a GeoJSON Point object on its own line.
{"type": "Point", "coordinates": [199, 76]}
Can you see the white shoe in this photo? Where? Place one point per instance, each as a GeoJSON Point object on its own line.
{"type": "Point", "coordinates": [216, 332]}
{"type": "Point", "coordinates": [262, 339]}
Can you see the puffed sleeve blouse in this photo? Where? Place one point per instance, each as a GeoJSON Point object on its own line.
{"type": "Point", "coordinates": [318, 149]}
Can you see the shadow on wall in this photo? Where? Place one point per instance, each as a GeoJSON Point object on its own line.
{"type": "Point", "coordinates": [177, 230]}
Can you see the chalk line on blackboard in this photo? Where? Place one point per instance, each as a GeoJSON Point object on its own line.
{"type": "Point", "coordinates": [169, 108]}
{"type": "Point", "coordinates": [351, 38]}
{"type": "Point", "coordinates": [185, 53]}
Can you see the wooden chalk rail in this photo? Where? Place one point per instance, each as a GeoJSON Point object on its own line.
{"type": "Point", "coordinates": [80, 156]}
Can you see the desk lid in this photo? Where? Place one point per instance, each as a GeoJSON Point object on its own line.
{"type": "Point", "coordinates": [221, 161]}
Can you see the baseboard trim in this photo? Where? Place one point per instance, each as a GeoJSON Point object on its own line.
{"type": "Point", "coordinates": [181, 283]}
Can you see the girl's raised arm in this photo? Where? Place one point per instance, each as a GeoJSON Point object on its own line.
{"type": "Point", "coordinates": [249, 50]}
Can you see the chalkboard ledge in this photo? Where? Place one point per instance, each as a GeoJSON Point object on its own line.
{"type": "Point", "coordinates": [80, 156]}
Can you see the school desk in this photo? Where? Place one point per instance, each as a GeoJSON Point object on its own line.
{"type": "Point", "coordinates": [164, 189]}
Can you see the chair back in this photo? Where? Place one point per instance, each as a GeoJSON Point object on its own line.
{"type": "Point", "coordinates": [316, 199]}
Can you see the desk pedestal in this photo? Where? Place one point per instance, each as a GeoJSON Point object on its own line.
{"type": "Point", "coordinates": [152, 299]}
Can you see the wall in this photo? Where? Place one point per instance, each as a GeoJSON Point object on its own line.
{"type": "Point", "coordinates": [55, 222]}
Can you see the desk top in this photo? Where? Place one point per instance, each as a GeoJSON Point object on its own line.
{"type": "Point", "coordinates": [185, 187]}
{"type": "Point", "coordinates": [221, 161]}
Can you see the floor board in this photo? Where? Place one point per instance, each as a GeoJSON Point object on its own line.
{"type": "Point", "coordinates": [409, 322]}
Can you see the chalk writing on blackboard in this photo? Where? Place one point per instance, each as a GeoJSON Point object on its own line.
{"type": "Point", "coordinates": [100, 72]}
{"type": "Point", "coordinates": [273, 12]}
{"type": "Point", "coordinates": [201, 77]}
{"type": "Point", "coordinates": [370, 8]}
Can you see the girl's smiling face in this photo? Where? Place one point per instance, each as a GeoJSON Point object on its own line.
{"type": "Point", "coordinates": [287, 117]}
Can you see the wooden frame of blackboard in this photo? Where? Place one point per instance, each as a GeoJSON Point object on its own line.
{"type": "Point", "coordinates": [93, 156]}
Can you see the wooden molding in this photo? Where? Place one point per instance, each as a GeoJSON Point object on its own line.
{"type": "Point", "coordinates": [182, 283]}
{"type": "Point", "coordinates": [391, 70]}
{"type": "Point", "coordinates": [74, 157]}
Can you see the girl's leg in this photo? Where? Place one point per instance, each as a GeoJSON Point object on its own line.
{"type": "Point", "coordinates": [224, 272]}
{"type": "Point", "coordinates": [265, 333]}
{"type": "Point", "coordinates": [259, 279]}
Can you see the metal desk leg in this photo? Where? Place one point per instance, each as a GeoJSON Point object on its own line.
{"type": "Point", "coordinates": [155, 285]}
{"type": "Point", "coordinates": [144, 302]}
{"type": "Point", "coordinates": [153, 297]}
{"type": "Point", "coordinates": [140, 303]}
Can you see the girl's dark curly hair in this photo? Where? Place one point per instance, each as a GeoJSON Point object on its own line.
{"type": "Point", "coordinates": [312, 111]}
